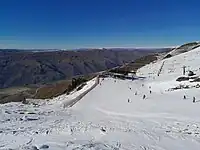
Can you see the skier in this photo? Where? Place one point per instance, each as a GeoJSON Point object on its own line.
{"type": "Point", "coordinates": [150, 92]}
{"type": "Point", "coordinates": [194, 99]}
{"type": "Point", "coordinates": [184, 97]}
{"type": "Point", "coordinates": [118, 144]}
{"type": "Point", "coordinates": [144, 96]}
{"type": "Point", "coordinates": [71, 130]}
{"type": "Point", "coordinates": [135, 93]}
{"type": "Point", "coordinates": [103, 129]}
{"type": "Point", "coordinates": [128, 100]}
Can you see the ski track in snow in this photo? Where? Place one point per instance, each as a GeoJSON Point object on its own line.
{"type": "Point", "coordinates": [104, 119]}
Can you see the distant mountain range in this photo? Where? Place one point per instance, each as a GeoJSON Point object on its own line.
{"type": "Point", "coordinates": [84, 49]}
{"type": "Point", "coordinates": [34, 66]}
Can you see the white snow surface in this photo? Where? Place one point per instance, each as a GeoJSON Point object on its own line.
{"type": "Point", "coordinates": [104, 119]}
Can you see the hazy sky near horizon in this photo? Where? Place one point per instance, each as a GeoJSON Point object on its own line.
{"type": "Point", "coordinates": [98, 23]}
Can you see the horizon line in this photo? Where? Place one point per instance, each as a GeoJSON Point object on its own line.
{"type": "Point", "coordinates": [109, 47]}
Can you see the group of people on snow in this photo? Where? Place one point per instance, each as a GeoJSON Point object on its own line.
{"type": "Point", "coordinates": [150, 92]}
{"type": "Point", "coordinates": [193, 98]}
{"type": "Point", "coordinates": [144, 96]}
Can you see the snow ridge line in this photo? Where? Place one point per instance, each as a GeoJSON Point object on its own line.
{"type": "Point", "coordinates": [79, 97]}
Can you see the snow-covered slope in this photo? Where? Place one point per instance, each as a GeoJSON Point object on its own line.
{"type": "Point", "coordinates": [183, 48]}
{"type": "Point", "coordinates": [114, 115]}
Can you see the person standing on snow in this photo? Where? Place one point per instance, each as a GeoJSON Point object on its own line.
{"type": "Point", "coordinates": [194, 100]}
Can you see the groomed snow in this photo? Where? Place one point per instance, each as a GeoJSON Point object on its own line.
{"type": "Point", "coordinates": [114, 115]}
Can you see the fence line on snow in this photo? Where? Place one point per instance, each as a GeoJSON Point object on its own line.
{"type": "Point", "coordinates": [70, 103]}
{"type": "Point", "coordinates": [161, 67]}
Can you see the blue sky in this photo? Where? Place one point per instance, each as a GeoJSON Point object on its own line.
{"type": "Point", "coordinates": [98, 23]}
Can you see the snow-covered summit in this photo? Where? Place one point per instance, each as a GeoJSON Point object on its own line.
{"type": "Point", "coordinates": [182, 49]}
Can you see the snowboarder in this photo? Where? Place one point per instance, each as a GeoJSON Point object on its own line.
{"type": "Point", "coordinates": [194, 99]}
{"type": "Point", "coordinates": [144, 96]}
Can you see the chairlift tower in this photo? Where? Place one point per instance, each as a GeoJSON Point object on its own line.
{"type": "Point", "coordinates": [184, 69]}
